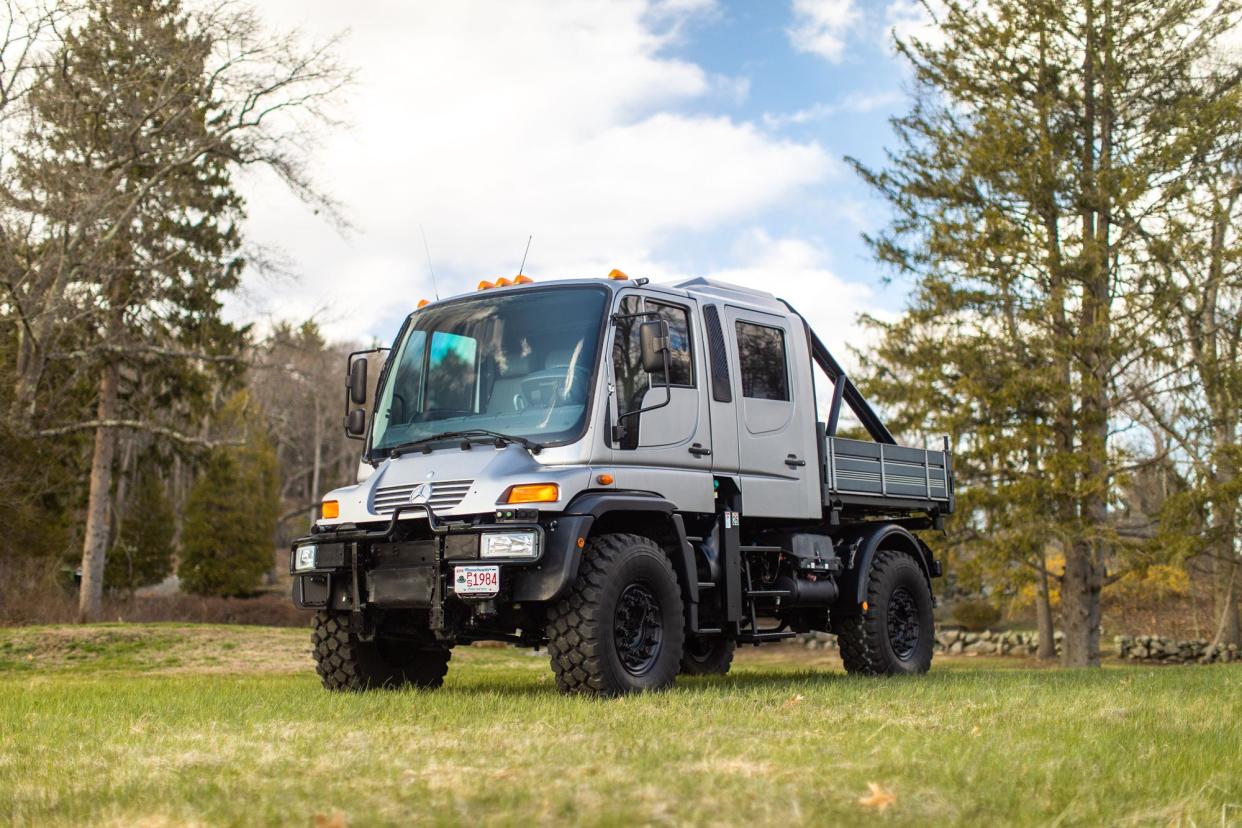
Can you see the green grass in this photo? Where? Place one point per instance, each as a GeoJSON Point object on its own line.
{"type": "Point", "coordinates": [164, 724]}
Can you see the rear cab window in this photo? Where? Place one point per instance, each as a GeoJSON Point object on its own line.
{"type": "Point", "coordinates": [762, 362]}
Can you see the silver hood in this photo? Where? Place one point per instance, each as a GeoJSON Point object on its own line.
{"type": "Point", "coordinates": [460, 482]}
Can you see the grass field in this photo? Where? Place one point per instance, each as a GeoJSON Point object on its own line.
{"type": "Point", "coordinates": [165, 724]}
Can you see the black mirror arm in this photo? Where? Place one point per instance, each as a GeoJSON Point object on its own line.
{"type": "Point", "coordinates": [668, 393]}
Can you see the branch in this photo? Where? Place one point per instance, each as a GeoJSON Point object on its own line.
{"type": "Point", "coordinates": [137, 425]}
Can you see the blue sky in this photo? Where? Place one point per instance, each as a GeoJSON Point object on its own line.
{"type": "Point", "coordinates": [842, 103]}
{"type": "Point", "coordinates": [668, 138]}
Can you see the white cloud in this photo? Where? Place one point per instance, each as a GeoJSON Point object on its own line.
{"type": "Point", "coordinates": [852, 103]}
{"type": "Point", "coordinates": [820, 26]}
{"type": "Point", "coordinates": [486, 122]}
{"type": "Point", "coordinates": [799, 271]}
{"type": "Point", "coordinates": [910, 20]}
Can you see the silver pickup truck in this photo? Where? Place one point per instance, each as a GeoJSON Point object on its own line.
{"type": "Point", "coordinates": [633, 476]}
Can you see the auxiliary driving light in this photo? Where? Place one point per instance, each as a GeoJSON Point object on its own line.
{"type": "Point", "coordinates": [508, 545]}
{"type": "Point", "coordinates": [304, 558]}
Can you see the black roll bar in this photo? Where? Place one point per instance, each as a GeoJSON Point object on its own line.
{"type": "Point", "coordinates": [844, 388]}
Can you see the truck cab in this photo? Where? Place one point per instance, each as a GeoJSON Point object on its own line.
{"type": "Point", "coordinates": [631, 475]}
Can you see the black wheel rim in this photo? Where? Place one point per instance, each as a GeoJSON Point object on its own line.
{"type": "Point", "coordinates": [903, 623]}
{"type": "Point", "coordinates": [638, 629]}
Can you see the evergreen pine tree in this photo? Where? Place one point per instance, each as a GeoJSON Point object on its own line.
{"type": "Point", "coordinates": [230, 521]}
{"type": "Point", "coordinates": [143, 550]}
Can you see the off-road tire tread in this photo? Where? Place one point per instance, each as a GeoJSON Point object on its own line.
{"type": "Point", "coordinates": [346, 663]}
{"type": "Point", "coordinates": [717, 664]}
{"type": "Point", "coordinates": [860, 637]}
{"type": "Point", "coordinates": [574, 639]}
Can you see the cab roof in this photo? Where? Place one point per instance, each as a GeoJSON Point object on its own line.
{"type": "Point", "coordinates": [696, 287]}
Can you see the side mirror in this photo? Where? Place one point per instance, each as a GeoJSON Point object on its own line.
{"type": "Point", "coordinates": [653, 344]}
{"type": "Point", "coordinates": [356, 423]}
{"type": "Point", "coordinates": [358, 382]}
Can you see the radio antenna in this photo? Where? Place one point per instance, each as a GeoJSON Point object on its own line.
{"type": "Point", "coordinates": [427, 250]}
{"type": "Point", "coordinates": [522, 266]}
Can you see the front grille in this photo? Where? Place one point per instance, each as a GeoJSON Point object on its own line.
{"type": "Point", "coordinates": [444, 495]}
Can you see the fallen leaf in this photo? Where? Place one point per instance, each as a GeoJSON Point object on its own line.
{"type": "Point", "coordinates": [795, 699]}
{"type": "Point", "coordinates": [335, 820]}
{"type": "Point", "coordinates": [878, 798]}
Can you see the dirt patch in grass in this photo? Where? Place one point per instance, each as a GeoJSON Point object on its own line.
{"type": "Point", "coordinates": [155, 648]}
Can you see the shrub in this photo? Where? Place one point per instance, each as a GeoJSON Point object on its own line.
{"type": "Point", "coordinates": [975, 614]}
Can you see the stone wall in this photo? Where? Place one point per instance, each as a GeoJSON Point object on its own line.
{"type": "Point", "coordinates": [1170, 651]}
{"type": "Point", "coordinates": [956, 641]}
{"type": "Point", "coordinates": [1152, 648]}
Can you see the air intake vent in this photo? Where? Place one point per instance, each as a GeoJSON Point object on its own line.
{"type": "Point", "coordinates": [444, 495]}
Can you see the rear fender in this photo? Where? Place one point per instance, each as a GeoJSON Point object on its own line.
{"type": "Point", "coordinates": [858, 548]}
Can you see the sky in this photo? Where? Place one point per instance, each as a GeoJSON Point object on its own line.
{"type": "Point", "coordinates": [666, 138]}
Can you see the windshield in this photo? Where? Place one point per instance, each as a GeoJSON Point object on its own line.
{"type": "Point", "coordinates": [518, 363]}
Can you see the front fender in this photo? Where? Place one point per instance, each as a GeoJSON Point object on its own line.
{"type": "Point", "coordinates": [559, 566]}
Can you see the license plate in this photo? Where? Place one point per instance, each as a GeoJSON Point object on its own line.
{"type": "Point", "coordinates": [476, 580]}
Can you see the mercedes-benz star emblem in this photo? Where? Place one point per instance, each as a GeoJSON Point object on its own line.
{"type": "Point", "coordinates": [420, 493]}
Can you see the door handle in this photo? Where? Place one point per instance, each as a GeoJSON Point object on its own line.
{"type": "Point", "coordinates": [698, 451]}
{"type": "Point", "coordinates": [793, 462]}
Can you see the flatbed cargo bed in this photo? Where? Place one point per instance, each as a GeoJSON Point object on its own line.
{"type": "Point", "coordinates": [886, 477]}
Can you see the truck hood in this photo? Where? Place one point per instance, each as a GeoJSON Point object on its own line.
{"type": "Point", "coordinates": [460, 482]}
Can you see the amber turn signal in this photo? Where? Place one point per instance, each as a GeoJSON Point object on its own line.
{"type": "Point", "coordinates": [604, 479]}
{"type": "Point", "coordinates": [330, 509]}
{"type": "Point", "coordinates": [533, 493]}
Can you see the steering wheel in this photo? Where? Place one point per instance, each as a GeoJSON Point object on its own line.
{"type": "Point", "coordinates": [549, 387]}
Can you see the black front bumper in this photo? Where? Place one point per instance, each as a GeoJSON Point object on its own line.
{"type": "Point", "coordinates": [358, 569]}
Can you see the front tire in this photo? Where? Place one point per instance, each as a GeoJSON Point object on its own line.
{"type": "Point", "coordinates": [345, 662]}
{"type": "Point", "coordinates": [620, 629]}
{"type": "Point", "coordinates": [707, 656]}
{"type": "Point", "coordinates": [895, 634]}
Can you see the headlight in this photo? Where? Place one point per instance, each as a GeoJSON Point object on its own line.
{"type": "Point", "coordinates": [304, 558]}
{"type": "Point", "coordinates": [509, 545]}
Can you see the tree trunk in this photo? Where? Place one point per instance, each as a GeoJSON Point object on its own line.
{"type": "Point", "coordinates": [1043, 614]}
{"type": "Point", "coordinates": [315, 467]}
{"type": "Point", "coordinates": [1228, 575]}
{"type": "Point", "coordinates": [1080, 607]}
{"type": "Point", "coordinates": [95, 545]}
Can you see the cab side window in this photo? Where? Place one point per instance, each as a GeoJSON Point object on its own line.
{"type": "Point", "coordinates": [680, 364]}
{"type": "Point", "coordinates": [761, 357]}
{"type": "Point", "coordinates": [632, 380]}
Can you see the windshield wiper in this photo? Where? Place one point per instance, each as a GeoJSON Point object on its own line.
{"type": "Point", "coordinates": [469, 435]}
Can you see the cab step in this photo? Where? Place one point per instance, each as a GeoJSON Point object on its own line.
{"type": "Point", "coordinates": [762, 636]}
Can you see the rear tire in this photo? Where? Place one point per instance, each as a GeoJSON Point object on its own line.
{"type": "Point", "coordinates": [707, 656]}
{"type": "Point", "coordinates": [895, 635]}
{"type": "Point", "coordinates": [346, 662]}
{"type": "Point", "coordinates": [620, 629]}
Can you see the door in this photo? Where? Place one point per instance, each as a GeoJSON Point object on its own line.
{"type": "Point", "coordinates": [667, 449]}
{"type": "Point", "coordinates": [775, 410]}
